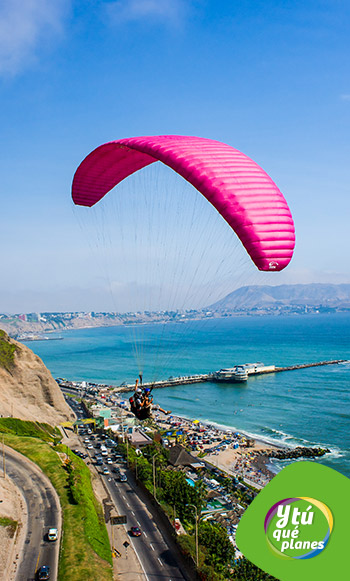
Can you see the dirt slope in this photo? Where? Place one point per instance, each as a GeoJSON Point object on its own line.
{"type": "Point", "coordinates": [27, 388]}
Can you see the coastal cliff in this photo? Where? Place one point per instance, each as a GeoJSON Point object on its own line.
{"type": "Point", "coordinates": [27, 388]}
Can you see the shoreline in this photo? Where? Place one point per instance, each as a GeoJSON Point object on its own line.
{"type": "Point", "coordinates": [238, 454]}
{"type": "Point", "coordinates": [231, 451]}
{"type": "Point", "coordinates": [234, 452]}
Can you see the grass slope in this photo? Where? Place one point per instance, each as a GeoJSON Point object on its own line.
{"type": "Point", "coordinates": [39, 430]}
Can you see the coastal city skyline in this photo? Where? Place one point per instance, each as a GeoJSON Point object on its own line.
{"type": "Point", "coordinates": [269, 80]}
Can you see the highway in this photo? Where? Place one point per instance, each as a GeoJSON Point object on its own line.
{"type": "Point", "coordinates": [155, 556]}
{"type": "Point", "coordinates": [157, 560]}
{"type": "Point", "coordinates": [43, 511]}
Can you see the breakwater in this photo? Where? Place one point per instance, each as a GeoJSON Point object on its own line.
{"type": "Point", "coordinates": [299, 452]}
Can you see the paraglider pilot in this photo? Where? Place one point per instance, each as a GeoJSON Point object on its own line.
{"type": "Point", "coordinates": [141, 402]}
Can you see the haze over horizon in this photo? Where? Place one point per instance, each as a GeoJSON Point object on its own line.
{"type": "Point", "coordinates": [269, 78]}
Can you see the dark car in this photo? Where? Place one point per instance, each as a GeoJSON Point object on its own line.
{"type": "Point", "coordinates": [44, 573]}
{"type": "Point", "coordinates": [135, 532]}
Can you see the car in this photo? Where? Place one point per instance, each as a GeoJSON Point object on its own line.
{"type": "Point", "coordinates": [99, 462]}
{"type": "Point", "coordinates": [52, 534]}
{"type": "Point", "coordinates": [90, 447]}
{"type": "Point", "coordinates": [135, 532]}
{"type": "Point", "coordinates": [116, 470]}
{"type": "Point", "coordinates": [43, 573]}
{"type": "Point", "coordinates": [123, 478]}
{"type": "Point", "coordinates": [105, 471]}
{"type": "Point", "coordinates": [109, 461]}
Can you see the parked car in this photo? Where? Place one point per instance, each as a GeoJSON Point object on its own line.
{"type": "Point", "coordinates": [123, 478]}
{"type": "Point", "coordinates": [105, 471]}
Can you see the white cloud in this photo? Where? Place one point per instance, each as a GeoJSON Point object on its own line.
{"type": "Point", "coordinates": [170, 11]}
{"type": "Point", "coordinates": [24, 24]}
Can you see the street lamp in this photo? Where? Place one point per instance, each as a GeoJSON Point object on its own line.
{"type": "Point", "coordinates": [136, 459]}
{"type": "Point", "coordinates": [154, 475]}
{"type": "Point", "coordinates": [196, 522]}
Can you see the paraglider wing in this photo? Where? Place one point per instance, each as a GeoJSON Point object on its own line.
{"type": "Point", "coordinates": [235, 185]}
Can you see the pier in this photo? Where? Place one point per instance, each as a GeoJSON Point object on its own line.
{"type": "Point", "coordinates": [305, 365]}
{"type": "Point", "coordinates": [254, 369]}
{"type": "Point", "coordinates": [222, 376]}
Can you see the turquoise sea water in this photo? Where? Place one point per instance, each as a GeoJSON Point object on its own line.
{"type": "Point", "coordinates": [306, 407]}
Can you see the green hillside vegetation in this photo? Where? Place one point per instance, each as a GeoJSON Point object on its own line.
{"type": "Point", "coordinates": [39, 430]}
{"type": "Point", "coordinates": [10, 524]}
{"type": "Point", "coordinates": [85, 550]}
{"type": "Point", "coordinates": [7, 352]}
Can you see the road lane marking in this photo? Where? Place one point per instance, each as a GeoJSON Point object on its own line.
{"type": "Point", "coordinates": [138, 522]}
{"type": "Point", "coordinates": [160, 561]}
{"type": "Point", "coordinates": [143, 569]}
{"type": "Point", "coordinates": [152, 547]}
{"type": "Point", "coordinates": [132, 512]}
{"type": "Point", "coordinates": [37, 562]}
{"type": "Point", "coordinates": [145, 534]}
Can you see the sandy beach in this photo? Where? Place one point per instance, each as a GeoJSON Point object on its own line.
{"type": "Point", "coordinates": [227, 449]}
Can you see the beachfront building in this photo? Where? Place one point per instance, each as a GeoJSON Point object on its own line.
{"type": "Point", "coordinates": [179, 457]}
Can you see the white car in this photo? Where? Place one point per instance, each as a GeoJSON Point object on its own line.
{"type": "Point", "coordinates": [109, 461]}
{"type": "Point", "coordinates": [52, 534]}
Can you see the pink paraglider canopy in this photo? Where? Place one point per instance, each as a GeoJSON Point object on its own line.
{"type": "Point", "coordinates": [236, 186]}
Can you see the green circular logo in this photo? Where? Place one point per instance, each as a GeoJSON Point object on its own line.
{"type": "Point", "coordinates": [298, 528]}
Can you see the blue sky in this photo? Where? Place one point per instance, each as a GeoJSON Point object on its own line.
{"type": "Point", "coordinates": [270, 78]}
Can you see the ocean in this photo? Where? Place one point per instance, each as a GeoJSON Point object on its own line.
{"type": "Point", "coordinates": [300, 407]}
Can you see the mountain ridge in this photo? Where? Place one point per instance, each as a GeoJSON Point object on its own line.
{"type": "Point", "coordinates": [314, 295]}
